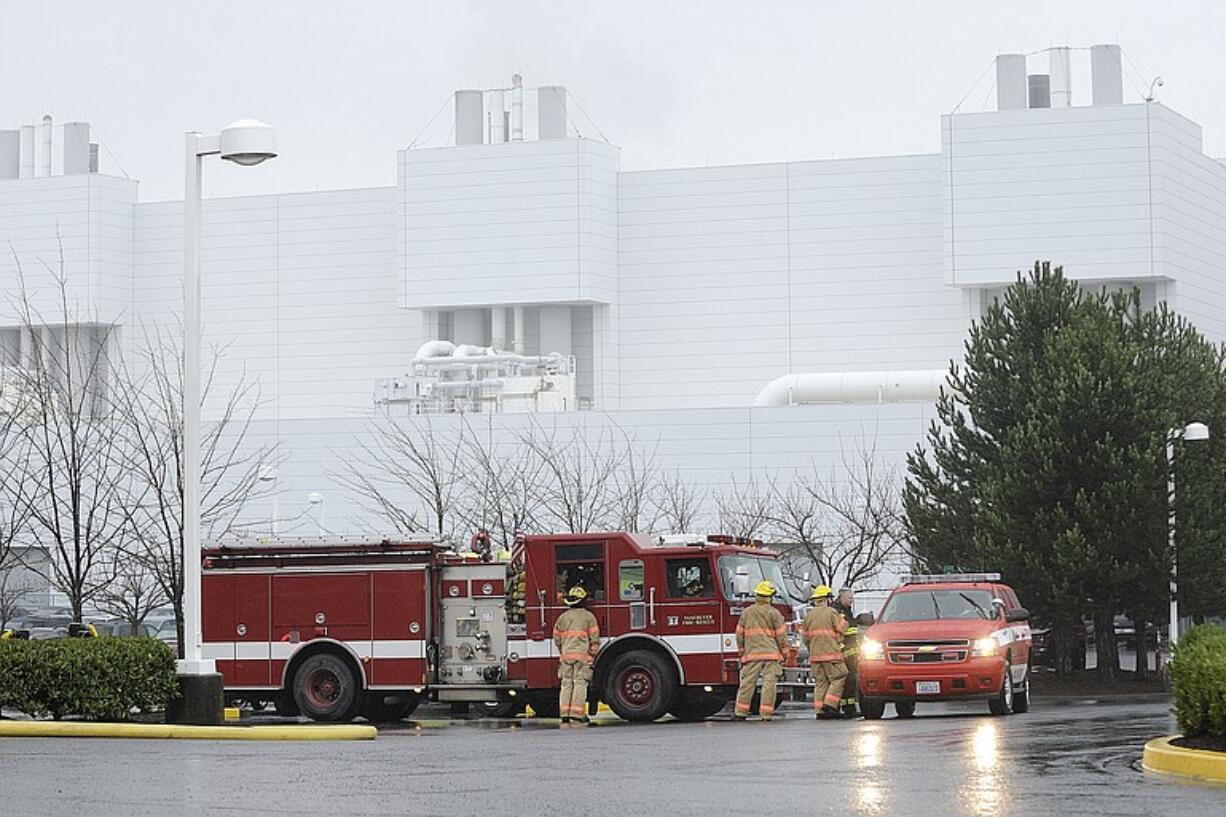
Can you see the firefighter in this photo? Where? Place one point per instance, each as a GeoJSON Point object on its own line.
{"type": "Point", "coordinates": [577, 637]}
{"type": "Point", "coordinates": [843, 603]}
{"type": "Point", "coordinates": [823, 630]}
{"type": "Point", "coordinates": [761, 638]}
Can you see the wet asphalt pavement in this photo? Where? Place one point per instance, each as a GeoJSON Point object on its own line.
{"type": "Point", "coordinates": [1063, 758]}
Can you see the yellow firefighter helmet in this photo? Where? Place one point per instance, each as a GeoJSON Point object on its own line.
{"type": "Point", "coordinates": [822, 592]}
{"type": "Point", "coordinates": [765, 589]}
{"type": "Point", "coordinates": [576, 595]}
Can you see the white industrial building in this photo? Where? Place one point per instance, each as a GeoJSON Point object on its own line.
{"type": "Point", "coordinates": [745, 319]}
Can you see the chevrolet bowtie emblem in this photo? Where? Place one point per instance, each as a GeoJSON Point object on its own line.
{"type": "Point", "coordinates": [928, 648]}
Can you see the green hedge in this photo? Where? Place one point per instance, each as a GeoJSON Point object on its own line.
{"type": "Point", "coordinates": [1198, 674]}
{"type": "Point", "coordinates": [93, 678]}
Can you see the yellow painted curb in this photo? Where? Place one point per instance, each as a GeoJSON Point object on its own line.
{"type": "Point", "coordinates": [158, 731]}
{"type": "Point", "coordinates": [1161, 756]}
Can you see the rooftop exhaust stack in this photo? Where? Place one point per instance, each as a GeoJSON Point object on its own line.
{"type": "Point", "coordinates": [1010, 82]}
{"type": "Point", "coordinates": [498, 117]}
{"type": "Point", "coordinates": [469, 116]}
{"type": "Point", "coordinates": [517, 108]}
{"type": "Point", "coordinates": [10, 154]}
{"type": "Point", "coordinates": [551, 112]}
{"type": "Point", "coordinates": [1060, 69]}
{"type": "Point", "coordinates": [1107, 75]}
{"type": "Point", "coordinates": [44, 136]}
{"type": "Point", "coordinates": [27, 151]}
{"type": "Point", "coordinates": [93, 157]}
{"type": "Point", "coordinates": [76, 147]}
{"type": "Point", "coordinates": [1040, 90]}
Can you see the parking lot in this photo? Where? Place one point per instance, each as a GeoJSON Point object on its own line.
{"type": "Point", "coordinates": [1066, 757]}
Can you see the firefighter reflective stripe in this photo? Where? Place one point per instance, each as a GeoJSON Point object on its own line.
{"type": "Point", "coordinates": [576, 635]}
{"type": "Point", "coordinates": [823, 629]}
{"type": "Point", "coordinates": [761, 634]}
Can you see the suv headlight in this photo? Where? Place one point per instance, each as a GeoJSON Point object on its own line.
{"type": "Point", "coordinates": [985, 647]}
{"type": "Point", "coordinates": [871, 650]}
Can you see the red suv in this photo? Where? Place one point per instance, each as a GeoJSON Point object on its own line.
{"type": "Point", "coordinates": [941, 638]}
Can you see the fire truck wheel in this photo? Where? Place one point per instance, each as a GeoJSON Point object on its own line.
{"type": "Point", "coordinates": [904, 709]}
{"type": "Point", "coordinates": [871, 708]}
{"type": "Point", "coordinates": [325, 688]}
{"type": "Point", "coordinates": [641, 686]}
{"type": "Point", "coordinates": [380, 708]}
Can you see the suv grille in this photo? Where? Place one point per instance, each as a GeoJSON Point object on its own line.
{"type": "Point", "coordinates": [928, 651]}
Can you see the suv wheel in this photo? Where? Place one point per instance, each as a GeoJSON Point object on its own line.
{"type": "Point", "coordinates": [1002, 704]}
{"type": "Point", "coordinates": [1021, 696]}
{"type": "Point", "coordinates": [871, 708]}
{"type": "Point", "coordinates": [905, 709]}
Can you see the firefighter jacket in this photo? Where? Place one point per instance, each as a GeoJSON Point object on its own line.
{"type": "Point", "coordinates": [761, 634]}
{"type": "Point", "coordinates": [577, 636]}
{"type": "Point", "coordinates": [823, 631]}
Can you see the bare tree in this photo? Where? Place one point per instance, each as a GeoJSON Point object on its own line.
{"type": "Point", "coordinates": [71, 488]}
{"type": "Point", "coordinates": [409, 460]}
{"type": "Point", "coordinates": [132, 595]}
{"type": "Point", "coordinates": [746, 508]}
{"type": "Point", "coordinates": [847, 527]}
{"type": "Point", "coordinates": [678, 504]}
{"type": "Point", "coordinates": [636, 483]}
{"type": "Point", "coordinates": [149, 403]}
{"type": "Point", "coordinates": [12, 594]}
{"type": "Point", "coordinates": [579, 477]}
{"type": "Point", "coordinates": [504, 486]}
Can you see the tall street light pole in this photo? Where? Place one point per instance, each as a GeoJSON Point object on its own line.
{"type": "Point", "coordinates": [246, 142]}
{"type": "Point", "coordinates": [1192, 432]}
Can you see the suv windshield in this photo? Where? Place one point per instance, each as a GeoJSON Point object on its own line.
{"type": "Point", "coordinates": [930, 605]}
{"type": "Point", "coordinates": [759, 568]}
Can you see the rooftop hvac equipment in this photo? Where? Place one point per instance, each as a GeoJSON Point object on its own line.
{"type": "Point", "coordinates": [1010, 82]}
{"type": "Point", "coordinates": [551, 112]}
{"type": "Point", "coordinates": [1061, 77]}
{"type": "Point", "coordinates": [1106, 75]}
{"type": "Point", "coordinates": [27, 151]}
{"type": "Point", "coordinates": [1040, 90]}
{"type": "Point", "coordinates": [76, 147]}
{"type": "Point", "coordinates": [10, 154]}
{"type": "Point", "coordinates": [469, 118]}
{"type": "Point", "coordinates": [464, 379]}
{"type": "Point", "coordinates": [44, 160]}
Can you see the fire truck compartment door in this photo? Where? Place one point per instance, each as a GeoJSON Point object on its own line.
{"type": "Point", "coordinates": [336, 605]}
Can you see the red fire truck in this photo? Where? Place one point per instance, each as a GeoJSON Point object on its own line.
{"type": "Point", "coordinates": [340, 627]}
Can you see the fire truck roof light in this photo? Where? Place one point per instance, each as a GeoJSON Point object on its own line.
{"type": "Point", "coordinates": [950, 578]}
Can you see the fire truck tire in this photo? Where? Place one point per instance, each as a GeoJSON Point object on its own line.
{"type": "Point", "coordinates": [1002, 704]}
{"type": "Point", "coordinates": [381, 708]}
{"type": "Point", "coordinates": [326, 689]}
{"type": "Point", "coordinates": [871, 708]}
{"type": "Point", "coordinates": [641, 687]}
{"type": "Point", "coordinates": [904, 709]}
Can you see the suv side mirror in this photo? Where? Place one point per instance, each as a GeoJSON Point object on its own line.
{"type": "Point", "coordinates": [1017, 614]}
{"type": "Point", "coordinates": [865, 620]}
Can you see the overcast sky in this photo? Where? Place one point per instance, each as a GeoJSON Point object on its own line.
{"type": "Point", "coordinates": [672, 83]}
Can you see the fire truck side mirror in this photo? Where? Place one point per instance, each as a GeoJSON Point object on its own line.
{"type": "Point", "coordinates": [865, 620]}
{"type": "Point", "coordinates": [740, 581]}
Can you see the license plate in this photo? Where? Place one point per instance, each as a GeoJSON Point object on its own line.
{"type": "Point", "coordinates": [927, 687]}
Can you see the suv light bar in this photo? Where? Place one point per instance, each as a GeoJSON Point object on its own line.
{"type": "Point", "coordinates": [960, 578]}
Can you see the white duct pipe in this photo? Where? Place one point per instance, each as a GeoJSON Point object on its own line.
{"type": "Point", "coordinates": [852, 387]}
{"type": "Point", "coordinates": [498, 328]}
{"type": "Point", "coordinates": [434, 349]}
{"type": "Point", "coordinates": [44, 161]}
{"type": "Point", "coordinates": [519, 345]}
{"type": "Point", "coordinates": [517, 108]}
{"type": "Point", "coordinates": [27, 151]}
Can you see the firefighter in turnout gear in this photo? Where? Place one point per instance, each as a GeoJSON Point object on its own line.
{"type": "Point", "coordinates": [577, 637]}
{"type": "Point", "coordinates": [823, 630]}
{"type": "Point", "coordinates": [843, 603]}
{"type": "Point", "coordinates": [761, 639]}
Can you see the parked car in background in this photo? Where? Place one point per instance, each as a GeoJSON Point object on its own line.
{"type": "Point", "coordinates": [168, 634]}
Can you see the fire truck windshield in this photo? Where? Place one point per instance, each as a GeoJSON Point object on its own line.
{"type": "Point", "coordinates": [759, 568]}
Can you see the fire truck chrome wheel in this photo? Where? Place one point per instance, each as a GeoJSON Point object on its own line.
{"type": "Point", "coordinates": [641, 686]}
{"type": "Point", "coordinates": [325, 688]}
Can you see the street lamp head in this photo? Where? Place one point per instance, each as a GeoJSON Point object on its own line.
{"type": "Point", "coordinates": [1196, 431]}
{"type": "Point", "coordinates": [248, 142]}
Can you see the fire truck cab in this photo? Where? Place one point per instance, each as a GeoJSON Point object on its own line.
{"type": "Point", "coordinates": [946, 637]}
{"type": "Point", "coordinates": [340, 627]}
